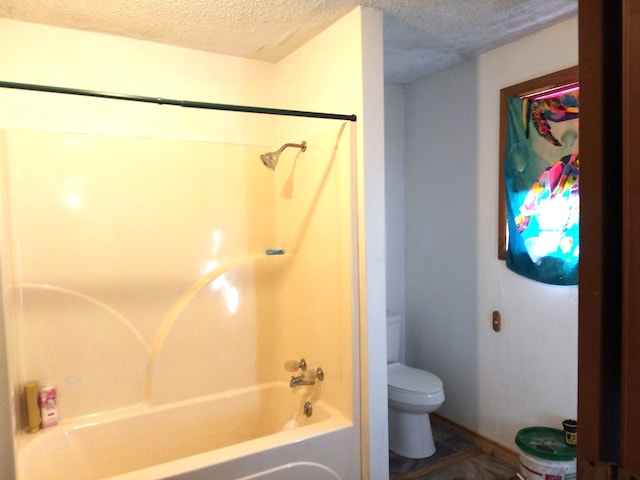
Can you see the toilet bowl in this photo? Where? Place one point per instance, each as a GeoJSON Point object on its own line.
{"type": "Point", "coordinates": [413, 394]}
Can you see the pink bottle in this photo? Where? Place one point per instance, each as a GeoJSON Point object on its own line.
{"type": "Point", "coordinates": [49, 406]}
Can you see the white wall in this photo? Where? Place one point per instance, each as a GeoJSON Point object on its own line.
{"type": "Point", "coordinates": [394, 153]}
{"type": "Point", "coordinates": [371, 247]}
{"type": "Point", "coordinates": [495, 383]}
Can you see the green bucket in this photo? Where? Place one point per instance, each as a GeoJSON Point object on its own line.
{"type": "Point", "coordinates": [544, 455]}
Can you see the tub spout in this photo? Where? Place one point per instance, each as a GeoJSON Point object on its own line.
{"type": "Point", "coordinates": [308, 377]}
{"type": "Point", "coordinates": [301, 380]}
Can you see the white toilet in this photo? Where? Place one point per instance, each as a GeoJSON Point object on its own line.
{"type": "Point", "coordinates": [413, 395]}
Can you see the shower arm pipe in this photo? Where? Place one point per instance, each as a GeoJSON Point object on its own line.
{"type": "Point", "coordinates": [180, 103]}
{"type": "Point", "coordinates": [302, 146]}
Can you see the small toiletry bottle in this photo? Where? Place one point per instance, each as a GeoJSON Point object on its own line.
{"type": "Point", "coordinates": [48, 406]}
{"type": "Point", "coordinates": [31, 390]}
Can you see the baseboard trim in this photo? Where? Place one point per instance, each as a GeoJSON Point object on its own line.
{"type": "Point", "coordinates": [502, 453]}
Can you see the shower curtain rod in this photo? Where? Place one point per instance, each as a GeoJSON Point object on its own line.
{"type": "Point", "coordinates": [180, 103]}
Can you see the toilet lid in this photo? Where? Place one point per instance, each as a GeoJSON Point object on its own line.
{"type": "Point", "coordinates": [410, 379]}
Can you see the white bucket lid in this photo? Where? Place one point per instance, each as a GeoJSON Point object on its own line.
{"type": "Point", "coordinates": [547, 443]}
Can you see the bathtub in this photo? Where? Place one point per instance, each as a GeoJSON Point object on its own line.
{"type": "Point", "coordinates": [251, 433]}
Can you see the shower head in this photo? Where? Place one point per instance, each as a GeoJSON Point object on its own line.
{"type": "Point", "coordinates": [270, 159]}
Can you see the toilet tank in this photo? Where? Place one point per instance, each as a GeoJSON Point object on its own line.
{"type": "Point", "coordinates": [394, 329]}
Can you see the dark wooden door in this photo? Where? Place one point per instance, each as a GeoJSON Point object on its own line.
{"type": "Point", "coordinates": [630, 408]}
{"type": "Point", "coordinates": [609, 304]}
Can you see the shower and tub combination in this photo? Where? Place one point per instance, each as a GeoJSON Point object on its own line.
{"type": "Point", "coordinates": [164, 286]}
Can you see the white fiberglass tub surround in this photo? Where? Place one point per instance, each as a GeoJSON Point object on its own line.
{"type": "Point", "coordinates": [143, 284]}
{"type": "Point", "coordinates": [243, 433]}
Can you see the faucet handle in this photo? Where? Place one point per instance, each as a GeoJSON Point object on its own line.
{"type": "Point", "coordinates": [294, 365]}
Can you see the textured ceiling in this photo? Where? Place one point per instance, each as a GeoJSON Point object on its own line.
{"type": "Point", "coordinates": [421, 36]}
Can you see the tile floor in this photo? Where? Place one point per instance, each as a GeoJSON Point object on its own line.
{"type": "Point", "coordinates": [455, 459]}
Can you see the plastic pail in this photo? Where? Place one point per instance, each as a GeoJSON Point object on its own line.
{"type": "Point", "coordinates": [544, 455]}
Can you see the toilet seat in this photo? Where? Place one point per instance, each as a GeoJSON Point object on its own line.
{"type": "Point", "coordinates": [413, 388]}
{"type": "Point", "coordinates": [412, 380]}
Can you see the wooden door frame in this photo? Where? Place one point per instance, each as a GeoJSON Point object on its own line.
{"type": "Point", "coordinates": [609, 298]}
{"type": "Point", "coordinates": [599, 301]}
{"type": "Point", "coordinates": [630, 414]}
